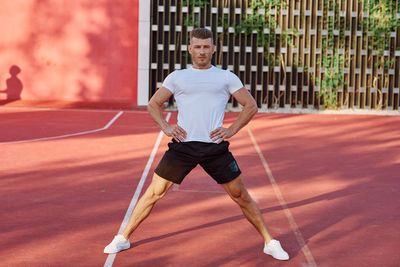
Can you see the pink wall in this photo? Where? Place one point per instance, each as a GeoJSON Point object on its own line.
{"type": "Point", "coordinates": [70, 50]}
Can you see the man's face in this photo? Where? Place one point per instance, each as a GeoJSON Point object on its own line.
{"type": "Point", "coordinates": [201, 51]}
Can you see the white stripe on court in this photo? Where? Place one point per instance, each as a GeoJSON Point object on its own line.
{"type": "Point", "coordinates": [68, 135]}
{"type": "Point", "coordinates": [304, 248]}
{"type": "Point", "coordinates": [72, 109]}
{"type": "Point", "coordinates": [111, 257]}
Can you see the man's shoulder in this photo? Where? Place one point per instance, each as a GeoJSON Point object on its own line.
{"type": "Point", "coordinates": [178, 72]}
{"type": "Point", "coordinates": [174, 74]}
{"type": "Point", "coordinates": [217, 69]}
{"type": "Point", "coordinates": [226, 72]}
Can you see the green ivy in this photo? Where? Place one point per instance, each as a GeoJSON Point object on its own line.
{"type": "Point", "coordinates": [382, 20]}
{"type": "Point", "coordinates": [195, 3]}
{"type": "Point", "coordinates": [331, 61]}
{"type": "Point", "coordinates": [259, 20]}
{"type": "Point", "coordinates": [190, 20]}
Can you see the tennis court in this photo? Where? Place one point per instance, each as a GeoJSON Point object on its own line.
{"type": "Point", "coordinates": [327, 186]}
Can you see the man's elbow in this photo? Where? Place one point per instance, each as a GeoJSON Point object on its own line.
{"type": "Point", "coordinates": [154, 105]}
{"type": "Point", "coordinates": [253, 109]}
{"type": "Point", "coordinates": [250, 107]}
{"type": "Point", "coordinates": [150, 105]}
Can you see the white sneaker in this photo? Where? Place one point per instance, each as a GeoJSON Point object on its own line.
{"type": "Point", "coordinates": [119, 243]}
{"type": "Point", "coordinates": [274, 249]}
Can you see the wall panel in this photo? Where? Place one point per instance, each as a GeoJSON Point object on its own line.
{"type": "Point", "coordinates": [285, 74]}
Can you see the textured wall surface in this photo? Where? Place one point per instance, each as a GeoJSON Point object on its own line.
{"type": "Point", "coordinates": [70, 50]}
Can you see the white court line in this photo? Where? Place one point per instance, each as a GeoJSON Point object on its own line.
{"type": "Point", "coordinates": [175, 187]}
{"type": "Point", "coordinates": [68, 135]}
{"type": "Point", "coordinates": [304, 248]}
{"type": "Point", "coordinates": [111, 257]}
{"type": "Point", "coordinates": [72, 109]}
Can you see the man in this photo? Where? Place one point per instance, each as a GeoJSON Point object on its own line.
{"type": "Point", "coordinates": [201, 93]}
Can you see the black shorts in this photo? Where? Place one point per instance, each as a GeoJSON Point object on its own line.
{"type": "Point", "coordinates": [182, 157]}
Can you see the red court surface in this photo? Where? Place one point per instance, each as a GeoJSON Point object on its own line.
{"type": "Point", "coordinates": [327, 186]}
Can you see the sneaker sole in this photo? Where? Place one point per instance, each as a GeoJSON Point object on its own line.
{"type": "Point", "coordinates": [106, 251]}
{"type": "Point", "coordinates": [282, 259]}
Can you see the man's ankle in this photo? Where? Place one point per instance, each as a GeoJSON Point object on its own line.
{"type": "Point", "coordinates": [268, 239]}
{"type": "Point", "coordinates": [125, 235]}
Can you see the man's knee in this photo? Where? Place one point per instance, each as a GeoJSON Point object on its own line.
{"type": "Point", "coordinates": [158, 188]}
{"type": "Point", "coordinates": [242, 198]}
{"type": "Point", "coordinates": [238, 192]}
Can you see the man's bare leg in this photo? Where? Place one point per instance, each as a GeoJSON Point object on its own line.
{"type": "Point", "coordinates": [156, 190]}
{"type": "Point", "coordinates": [239, 194]}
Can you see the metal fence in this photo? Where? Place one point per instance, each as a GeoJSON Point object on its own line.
{"type": "Point", "coordinates": [290, 54]}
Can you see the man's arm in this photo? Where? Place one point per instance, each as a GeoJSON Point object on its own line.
{"type": "Point", "coordinates": [249, 110]}
{"type": "Point", "coordinates": [155, 109]}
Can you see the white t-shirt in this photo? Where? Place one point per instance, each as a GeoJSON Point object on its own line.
{"type": "Point", "coordinates": [201, 96]}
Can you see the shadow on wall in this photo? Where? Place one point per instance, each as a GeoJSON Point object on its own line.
{"type": "Point", "coordinates": [14, 86]}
